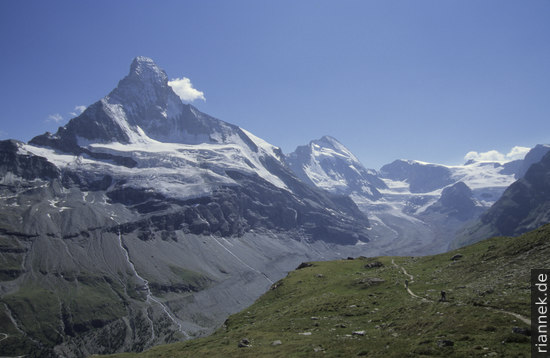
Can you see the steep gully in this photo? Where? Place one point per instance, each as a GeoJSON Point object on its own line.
{"type": "Point", "coordinates": [241, 261]}
{"type": "Point", "coordinates": [411, 277]}
{"type": "Point", "coordinates": [150, 297]}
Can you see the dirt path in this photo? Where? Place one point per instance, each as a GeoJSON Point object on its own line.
{"type": "Point", "coordinates": [517, 315]}
{"type": "Point", "coordinates": [411, 280]}
{"type": "Point", "coordinates": [411, 277]}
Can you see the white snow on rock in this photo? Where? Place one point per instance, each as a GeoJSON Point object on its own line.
{"type": "Point", "coordinates": [172, 169]}
{"type": "Point", "coordinates": [328, 164]}
{"type": "Point", "coordinates": [180, 152]}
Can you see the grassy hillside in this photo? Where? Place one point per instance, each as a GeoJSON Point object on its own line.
{"type": "Point", "coordinates": [361, 307]}
{"type": "Point", "coordinates": [47, 315]}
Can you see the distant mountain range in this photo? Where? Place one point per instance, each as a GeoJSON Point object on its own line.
{"type": "Point", "coordinates": [415, 207]}
{"type": "Point", "coordinates": [145, 221]}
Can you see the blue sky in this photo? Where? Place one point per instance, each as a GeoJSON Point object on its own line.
{"type": "Point", "coordinates": [427, 80]}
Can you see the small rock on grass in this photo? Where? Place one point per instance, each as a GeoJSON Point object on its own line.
{"type": "Point", "coordinates": [276, 343]}
{"type": "Point", "coordinates": [524, 331]}
{"type": "Point", "coordinates": [374, 264]}
{"type": "Point", "coordinates": [304, 265]}
{"type": "Point", "coordinates": [244, 343]}
{"type": "Point", "coordinates": [456, 257]}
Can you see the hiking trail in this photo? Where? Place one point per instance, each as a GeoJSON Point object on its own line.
{"type": "Point", "coordinates": [411, 277]}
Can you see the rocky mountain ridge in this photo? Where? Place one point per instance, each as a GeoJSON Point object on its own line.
{"type": "Point", "coordinates": [415, 207]}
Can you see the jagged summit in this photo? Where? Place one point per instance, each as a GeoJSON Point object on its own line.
{"type": "Point", "coordinates": [146, 84]}
{"type": "Point", "coordinates": [327, 146]}
{"type": "Point", "coordinates": [328, 139]}
{"type": "Point", "coordinates": [329, 142]}
{"type": "Point", "coordinates": [145, 67]}
{"type": "Point", "coordinates": [143, 107]}
{"type": "Point", "coordinates": [532, 157]}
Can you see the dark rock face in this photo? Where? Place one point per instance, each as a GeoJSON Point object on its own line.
{"type": "Point", "coordinates": [28, 167]}
{"type": "Point", "coordinates": [533, 156]}
{"type": "Point", "coordinates": [93, 124]}
{"type": "Point", "coordinates": [524, 206]}
{"type": "Point", "coordinates": [253, 205]}
{"type": "Point", "coordinates": [513, 167]}
{"type": "Point", "coordinates": [422, 178]}
{"type": "Point", "coordinates": [65, 141]}
{"type": "Point", "coordinates": [457, 201]}
{"type": "Point", "coordinates": [86, 182]}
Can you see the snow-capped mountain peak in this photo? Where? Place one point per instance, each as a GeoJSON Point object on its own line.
{"type": "Point", "coordinates": [143, 107]}
{"type": "Point", "coordinates": [145, 85]}
{"type": "Point", "coordinates": [146, 68]}
{"type": "Point", "coordinates": [143, 123]}
{"type": "Point", "coordinates": [146, 103]}
{"type": "Point", "coordinates": [330, 146]}
{"type": "Point", "coordinates": [328, 164]}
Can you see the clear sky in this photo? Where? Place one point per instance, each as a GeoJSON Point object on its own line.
{"type": "Point", "coordinates": [427, 80]}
